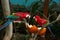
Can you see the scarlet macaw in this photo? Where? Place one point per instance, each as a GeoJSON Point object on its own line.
{"type": "Point", "coordinates": [22, 15]}
{"type": "Point", "coordinates": [39, 20]}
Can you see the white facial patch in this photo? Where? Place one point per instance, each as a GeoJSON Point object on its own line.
{"type": "Point", "coordinates": [39, 28]}
{"type": "Point", "coordinates": [35, 18]}
{"type": "Point", "coordinates": [30, 26]}
{"type": "Point", "coordinates": [27, 16]}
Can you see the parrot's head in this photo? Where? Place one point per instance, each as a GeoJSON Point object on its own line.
{"type": "Point", "coordinates": [36, 18]}
{"type": "Point", "coordinates": [28, 16]}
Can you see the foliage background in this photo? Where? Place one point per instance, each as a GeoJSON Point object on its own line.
{"type": "Point", "coordinates": [35, 7]}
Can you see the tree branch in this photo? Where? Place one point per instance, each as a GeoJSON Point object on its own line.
{"type": "Point", "coordinates": [58, 18]}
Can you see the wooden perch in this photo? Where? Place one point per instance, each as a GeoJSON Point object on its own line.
{"type": "Point", "coordinates": [58, 18]}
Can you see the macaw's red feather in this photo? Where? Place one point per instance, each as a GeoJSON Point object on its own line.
{"type": "Point", "coordinates": [22, 15]}
{"type": "Point", "coordinates": [39, 20]}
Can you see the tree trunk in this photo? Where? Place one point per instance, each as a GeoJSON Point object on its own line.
{"type": "Point", "coordinates": [45, 10]}
{"type": "Point", "coordinates": [6, 10]}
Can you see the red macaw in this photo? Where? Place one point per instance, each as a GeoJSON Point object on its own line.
{"type": "Point", "coordinates": [39, 20]}
{"type": "Point", "coordinates": [22, 15]}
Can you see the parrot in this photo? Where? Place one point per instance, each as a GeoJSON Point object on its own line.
{"type": "Point", "coordinates": [22, 15]}
{"type": "Point", "coordinates": [12, 17]}
{"type": "Point", "coordinates": [39, 20]}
